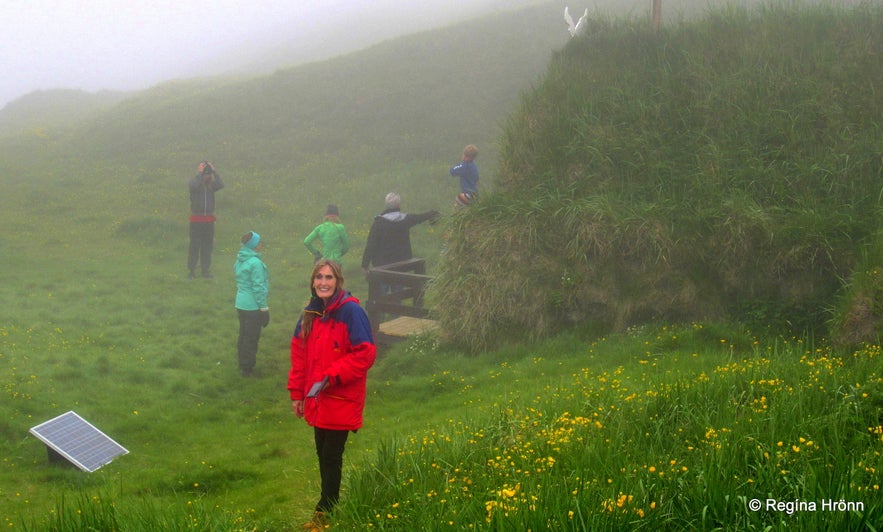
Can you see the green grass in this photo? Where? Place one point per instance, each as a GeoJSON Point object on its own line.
{"type": "Point", "coordinates": [660, 428]}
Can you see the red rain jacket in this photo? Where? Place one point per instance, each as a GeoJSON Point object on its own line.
{"type": "Point", "coordinates": [341, 347]}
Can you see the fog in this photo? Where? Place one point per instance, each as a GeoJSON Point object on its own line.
{"type": "Point", "coordinates": [97, 45]}
{"type": "Point", "coordinates": [112, 45]}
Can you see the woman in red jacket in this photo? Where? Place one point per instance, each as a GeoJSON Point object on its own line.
{"type": "Point", "coordinates": [331, 352]}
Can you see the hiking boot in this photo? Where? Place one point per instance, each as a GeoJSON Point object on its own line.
{"type": "Point", "coordinates": [318, 522]}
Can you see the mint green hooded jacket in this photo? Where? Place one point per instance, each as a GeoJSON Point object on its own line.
{"type": "Point", "coordinates": [335, 242]}
{"type": "Point", "coordinates": [252, 280]}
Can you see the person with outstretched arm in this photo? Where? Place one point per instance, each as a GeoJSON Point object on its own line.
{"type": "Point", "coordinates": [389, 239]}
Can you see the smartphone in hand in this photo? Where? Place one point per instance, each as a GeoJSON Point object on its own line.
{"type": "Point", "coordinates": [317, 387]}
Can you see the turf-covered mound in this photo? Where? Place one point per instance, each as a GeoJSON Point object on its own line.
{"type": "Point", "coordinates": [730, 166]}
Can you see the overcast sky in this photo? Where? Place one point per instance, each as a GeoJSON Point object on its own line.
{"type": "Point", "coordinates": [133, 44]}
{"type": "Point", "coordinates": [128, 45]}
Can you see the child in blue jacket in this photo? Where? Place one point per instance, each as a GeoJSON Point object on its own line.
{"type": "Point", "coordinates": [467, 171]}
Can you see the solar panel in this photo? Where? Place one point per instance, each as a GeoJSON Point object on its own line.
{"type": "Point", "coordinates": [79, 442]}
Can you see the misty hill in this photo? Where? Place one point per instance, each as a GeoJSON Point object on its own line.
{"type": "Point", "coordinates": [336, 28]}
{"type": "Point", "coordinates": [47, 110]}
{"type": "Point", "coordinates": [413, 98]}
{"type": "Point", "coordinates": [393, 116]}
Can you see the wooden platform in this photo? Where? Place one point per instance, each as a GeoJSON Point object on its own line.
{"type": "Point", "coordinates": [405, 326]}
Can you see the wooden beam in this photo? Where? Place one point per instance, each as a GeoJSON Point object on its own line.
{"type": "Point", "coordinates": [657, 14]}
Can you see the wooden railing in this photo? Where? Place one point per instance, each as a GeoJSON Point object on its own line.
{"type": "Point", "coordinates": [408, 280]}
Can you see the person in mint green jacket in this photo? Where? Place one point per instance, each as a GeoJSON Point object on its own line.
{"type": "Point", "coordinates": [252, 288]}
{"type": "Point", "coordinates": [332, 236]}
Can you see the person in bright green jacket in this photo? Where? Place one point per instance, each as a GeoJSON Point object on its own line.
{"type": "Point", "coordinates": [332, 235]}
{"type": "Point", "coordinates": [252, 288]}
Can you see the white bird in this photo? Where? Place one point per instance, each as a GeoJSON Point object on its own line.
{"type": "Point", "coordinates": [580, 25]}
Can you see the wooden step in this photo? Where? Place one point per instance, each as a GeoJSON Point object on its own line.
{"type": "Point", "coordinates": [406, 326]}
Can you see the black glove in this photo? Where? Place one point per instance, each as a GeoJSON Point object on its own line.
{"type": "Point", "coordinates": [265, 318]}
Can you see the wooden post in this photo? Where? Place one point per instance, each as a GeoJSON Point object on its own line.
{"type": "Point", "coordinates": [657, 14]}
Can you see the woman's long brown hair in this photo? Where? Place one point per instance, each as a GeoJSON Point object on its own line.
{"type": "Point", "coordinates": [306, 323]}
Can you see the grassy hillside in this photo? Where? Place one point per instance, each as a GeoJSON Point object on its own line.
{"type": "Point", "coordinates": [729, 166]}
{"type": "Point", "coordinates": [41, 111]}
{"type": "Point", "coordinates": [420, 96]}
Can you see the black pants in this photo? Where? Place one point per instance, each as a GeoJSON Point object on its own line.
{"type": "Point", "coordinates": [202, 238]}
{"type": "Point", "coordinates": [249, 335]}
{"type": "Point", "coordinates": [329, 448]}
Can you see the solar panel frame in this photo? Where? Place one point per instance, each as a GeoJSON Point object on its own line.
{"type": "Point", "coordinates": [78, 441]}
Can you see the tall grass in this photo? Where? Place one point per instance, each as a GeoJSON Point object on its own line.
{"type": "Point", "coordinates": [727, 166]}
{"type": "Point", "coordinates": [666, 428]}
{"type": "Point", "coordinates": [856, 313]}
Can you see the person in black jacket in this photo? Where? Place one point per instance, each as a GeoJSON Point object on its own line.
{"type": "Point", "coordinates": [389, 239]}
{"type": "Point", "coordinates": [202, 217]}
